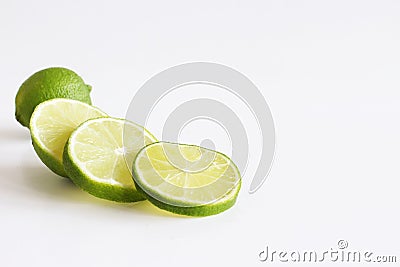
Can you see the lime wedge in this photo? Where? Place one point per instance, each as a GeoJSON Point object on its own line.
{"type": "Point", "coordinates": [51, 124]}
{"type": "Point", "coordinates": [95, 157]}
{"type": "Point", "coordinates": [186, 179]}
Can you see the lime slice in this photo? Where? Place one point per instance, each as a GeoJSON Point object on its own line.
{"type": "Point", "coordinates": [186, 179]}
{"type": "Point", "coordinates": [52, 123]}
{"type": "Point", "coordinates": [95, 157]}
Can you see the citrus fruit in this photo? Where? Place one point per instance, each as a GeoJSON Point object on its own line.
{"type": "Point", "coordinates": [95, 157]}
{"type": "Point", "coordinates": [51, 125]}
{"type": "Point", "coordinates": [186, 179]}
{"type": "Point", "coordinates": [47, 84]}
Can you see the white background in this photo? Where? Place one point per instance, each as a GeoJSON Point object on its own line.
{"type": "Point", "coordinates": [330, 71]}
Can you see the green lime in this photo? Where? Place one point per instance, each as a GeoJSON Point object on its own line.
{"type": "Point", "coordinates": [52, 123]}
{"type": "Point", "coordinates": [186, 179]}
{"type": "Point", "coordinates": [95, 157]}
{"type": "Point", "coordinates": [47, 84]}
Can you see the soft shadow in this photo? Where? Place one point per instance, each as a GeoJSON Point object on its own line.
{"type": "Point", "coordinates": [15, 134]}
{"type": "Point", "coordinates": [147, 207]}
{"type": "Point", "coordinates": [54, 187]}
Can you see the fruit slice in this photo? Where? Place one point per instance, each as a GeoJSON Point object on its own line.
{"type": "Point", "coordinates": [186, 179]}
{"type": "Point", "coordinates": [51, 125]}
{"type": "Point", "coordinates": [95, 157]}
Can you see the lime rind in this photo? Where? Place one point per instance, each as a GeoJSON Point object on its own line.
{"type": "Point", "coordinates": [197, 211]}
